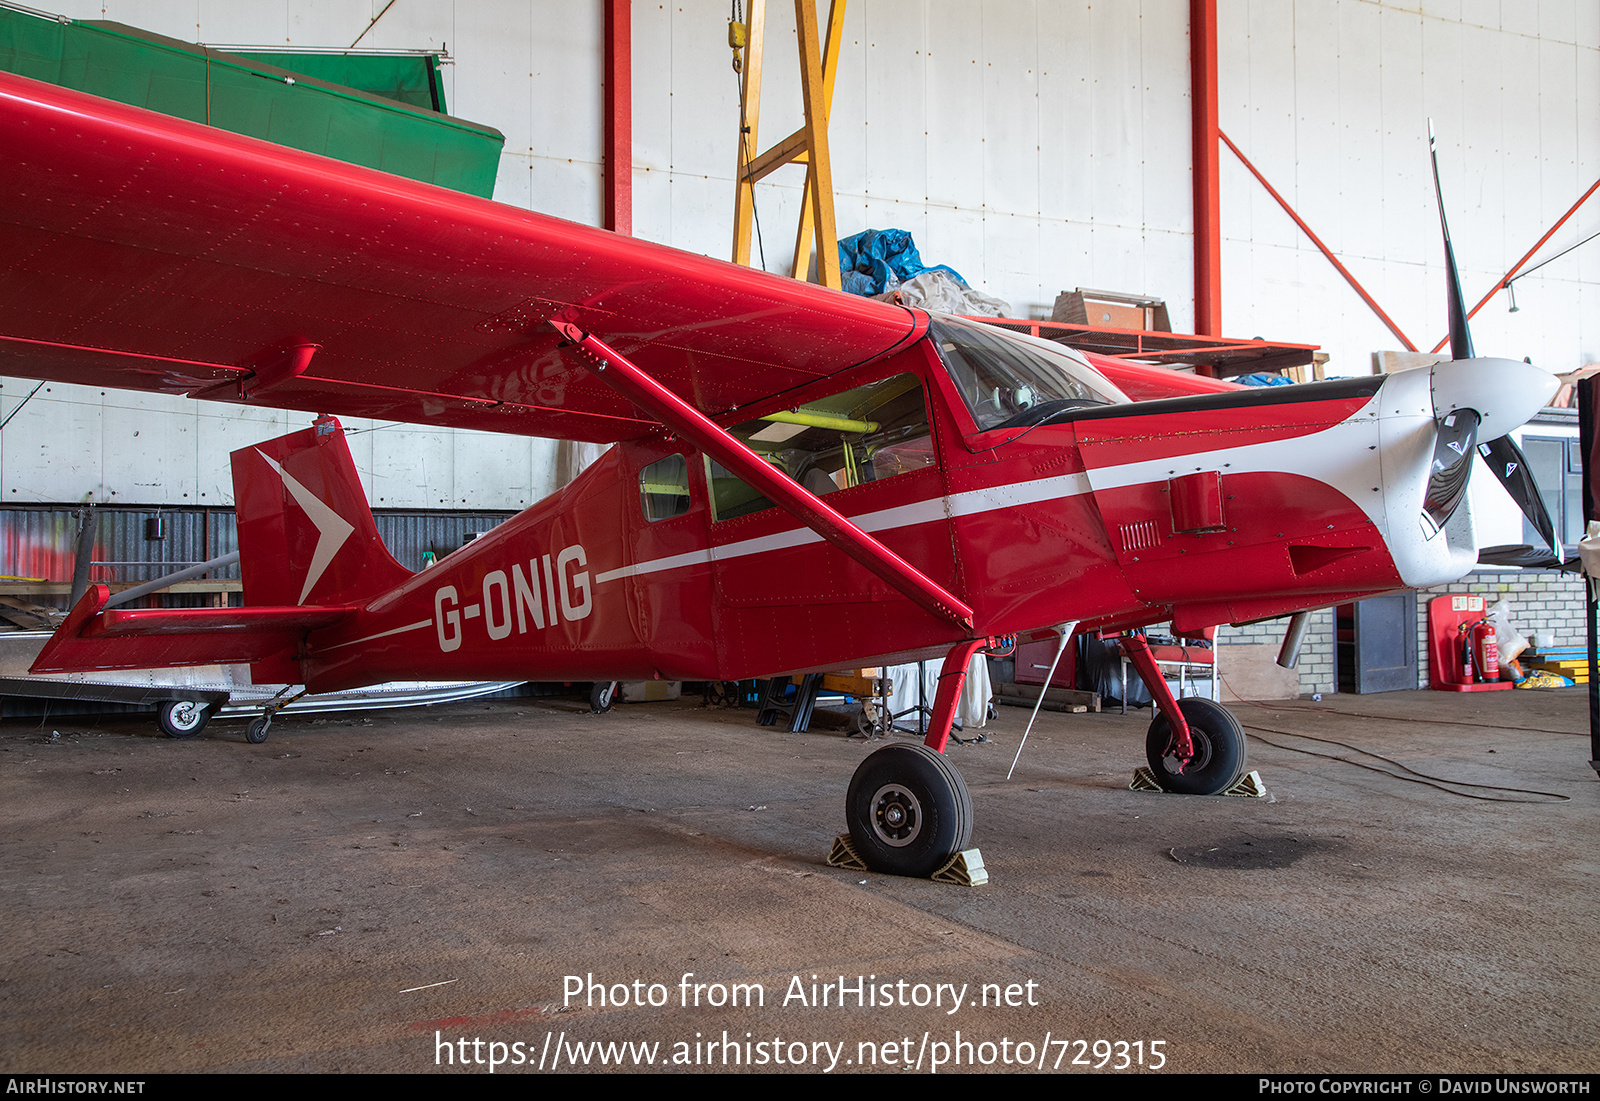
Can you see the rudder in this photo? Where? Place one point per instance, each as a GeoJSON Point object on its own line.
{"type": "Point", "coordinates": [306, 533]}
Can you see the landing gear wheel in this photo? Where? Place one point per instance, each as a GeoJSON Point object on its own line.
{"type": "Point", "coordinates": [1219, 749]}
{"type": "Point", "coordinates": [908, 810]}
{"type": "Point", "coordinates": [602, 696]}
{"type": "Point", "coordinates": [182, 718]}
{"type": "Point", "coordinates": [256, 733]}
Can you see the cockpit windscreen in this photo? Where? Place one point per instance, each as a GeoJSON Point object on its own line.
{"type": "Point", "coordinates": [1010, 380]}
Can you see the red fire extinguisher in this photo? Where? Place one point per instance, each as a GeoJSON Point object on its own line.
{"type": "Point", "coordinates": [1460, 671]}
{"type": "Point", "coordinates": [1485, 651]}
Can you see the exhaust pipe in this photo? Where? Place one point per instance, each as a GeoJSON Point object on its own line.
{"type": "Point", "coordinates": [1289, 652]}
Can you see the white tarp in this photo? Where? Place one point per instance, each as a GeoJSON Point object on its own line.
{"type": "Point", "coordinates": [972, 710]}
{"type": "Point", "coordinates": [937, 291]}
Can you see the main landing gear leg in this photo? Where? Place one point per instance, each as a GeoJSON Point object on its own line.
{"type": "Point", "coordinates": [908, 808]}
{"type": "Point", "coordinates": [1194, 746]}
{"type": "Point", "coordinates": [256, 732]}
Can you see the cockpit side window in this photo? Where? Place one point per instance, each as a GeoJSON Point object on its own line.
{"type": "Point", "coordinates": [1009, 381]}
{"type": "Point", "coordinates": [664, 488]}
{"type": "Point", "coordinates": [864, 434]}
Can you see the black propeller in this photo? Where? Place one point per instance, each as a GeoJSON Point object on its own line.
{"type": "Point", "coordinates": [1502, 455]}
{"type": "Point", "coordinates": [1509, 465]}
{"type": "Point", "coordinates": [1456, 435]}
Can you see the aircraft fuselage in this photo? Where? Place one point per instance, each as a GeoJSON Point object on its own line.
{"type": "Point", "coordinates": [655, 563]}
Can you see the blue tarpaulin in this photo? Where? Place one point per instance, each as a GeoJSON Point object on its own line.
{"type": "Point", "coordinates": [877, 260]}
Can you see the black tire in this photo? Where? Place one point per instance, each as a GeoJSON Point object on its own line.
{"type": "Point", "coordinates": [256, 732]}
{"type": "Point", "coordinates": [183, 718]}
{"type": "Point", "coordinates": [908, 810]}
{"type": "Point", "coordinates": [602, 696]}
{"type": "Point", "coordinates": [1219, 749]}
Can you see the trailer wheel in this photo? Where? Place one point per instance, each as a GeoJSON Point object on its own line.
{"type": "Point", "coordinates": [256, 732]}
{"type": "Point", "coordinates": [908, 810]}
{"type": "Point", "coordinates": [1219, 749]}
{"type": "Point", "coordinates": [182, 718]}
{"type": "Point", "coordinates": [602, 696]}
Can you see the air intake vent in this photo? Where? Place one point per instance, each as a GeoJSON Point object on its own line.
{"type": "Point", "coordinates": [1140, 536]}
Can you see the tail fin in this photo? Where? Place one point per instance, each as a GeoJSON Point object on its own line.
{"type": "Point", "coordinates": [310, 554]}
{"type": "Point", "coordinates": [306, 534]}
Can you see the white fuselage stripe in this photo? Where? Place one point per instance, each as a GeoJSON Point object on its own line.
{"type": "Point", "coordinates": [385, 634]}
{"type": "Point", "coordinates": [1348, 456]}
{"type": "Point", "coordinates": [968, 503]}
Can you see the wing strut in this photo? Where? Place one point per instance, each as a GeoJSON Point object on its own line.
{"type": "Point", "coordinates": [684, 419]}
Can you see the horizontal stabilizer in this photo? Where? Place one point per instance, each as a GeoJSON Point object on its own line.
{"type": "Point", "coordinates": [93, 637]}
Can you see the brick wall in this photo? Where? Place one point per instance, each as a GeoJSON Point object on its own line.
{"type": "Point", "coordinates": [1316, 669]}
{"type": "Point", "coordinates": [1541, 600]}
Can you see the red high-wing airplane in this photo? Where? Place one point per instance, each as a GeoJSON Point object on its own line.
{"type": "Point", "coordinates": [802, 479]}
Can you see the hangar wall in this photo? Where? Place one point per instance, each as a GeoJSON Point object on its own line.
{"type": "Point", "coordinates": [1033, 145]}
{"type": "Point", "coordinates": [75, 443]}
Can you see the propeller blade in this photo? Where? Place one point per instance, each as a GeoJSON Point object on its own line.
{"type": "Point", "coordinates": [1448, 482]}
{"type": "Point", "coordinates": [1460, 335]}
{"type": "Point", "coordinates": [1456, 436]}
{"type": "Point", "coordinates": [1510, 466]}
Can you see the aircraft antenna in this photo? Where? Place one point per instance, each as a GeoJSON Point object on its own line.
{"type": "Point", "coordinates": [1065, 630]}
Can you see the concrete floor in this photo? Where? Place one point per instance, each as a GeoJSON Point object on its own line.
{"type": "Point", "coordinates": [360, 894]}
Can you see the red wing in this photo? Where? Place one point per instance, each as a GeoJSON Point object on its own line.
{"type": "Point", "coordinates": [1149, 382]}
{"type": "Point", "coordinates": [146, 252]}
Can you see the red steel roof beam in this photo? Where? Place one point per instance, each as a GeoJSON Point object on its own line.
{"type": "Point", "coordinates": [1506, 278]}
{"type": "Point", "coordinates": [1315, 240]}
{"type": "Point", "coordinates": [619, 117]}
{"type": "Point", "coordinates": [1207, 204]}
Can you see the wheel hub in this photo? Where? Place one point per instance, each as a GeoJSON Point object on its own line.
{"type": "Point", "coordinates": [1202, 753]}
{"type": "Point", "coordinates": [897, 816]}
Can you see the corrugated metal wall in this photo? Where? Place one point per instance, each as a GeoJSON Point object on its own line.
{"type": "Point", "coordinates": [42, 542]}
{"type": "Point", "coordinates": [408, 534]}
